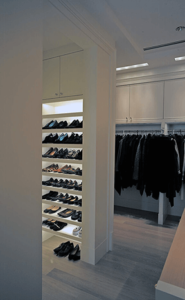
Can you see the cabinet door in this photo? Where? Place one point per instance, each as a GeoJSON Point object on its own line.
{"type": "Point", "coordinates": [51, 78]}
{"type": "Point", "coordinates": [174, 99]}
{"type": "Point", "coordinates": [71, 74]}
{"type": "Point", "coordinates": [122, 104]}
{"type": "Point", "coordinates": [146, 101]}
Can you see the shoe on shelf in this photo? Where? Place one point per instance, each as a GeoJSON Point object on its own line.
{"type": "Point", "coordinates": [52, 169]}
{"type": "Point", "coordinates": [48, 182]}
{"type": "Point", "coordinates": [48, 152]}
{"type": "Point", "coordinates": [78, 139]}
{"type": "Point", "coordinates": [62, 138]}
{"type": "Point", "coordinates": [66, 250]}
{"type": "Point", "coordinates": [48, 209]}
{"type": "Point", "coordinates": [76, 230]}
{"type": "Point", "coordinates": [79, 202]}
{"type": "Point", "coordinates": [53, 210]}
{"type": "Point", "coordinates": [65, 184]}
{"type": "Point", "coordinates": [47, 168]}
{"type": "Point", "coordinates": [57, 225]}
{"type": "Point", "coordinates": [73, 185]}
{"type": "Point", "coordinates": [78, 155]}
{"type": "Point", "coordinates": [49, 195]}
{"type": "Point", "coordinates": [66, 213]}
{"type": "Point", "coordinates": [69, 170]}
{"type": "Point", "coordinates": [62, 153]}
{"type": "Point", "coordinates": [56, 250]}
{"type": "Point", "coordinates": [61, 170]}
{"type": "Point", "coordinates": [62, 124]}
{"type": "Point", "coordinates": [50, 138]}
{"type": "Point", "coordinates": [75, 253]}
{"type": "Point", "coordinates": [60, 183]}
{"type": "Point", "coordinates": [54, 183]}
{"type": "Point", "coordinates": [73, 201]}
{"type": "Point", "coordinates": [55, 198]}
{"type": "Point", "coordinates": [74, 124]}
{"type": "Point", "coordinates": [62, 197]}
{"type": "Point", "coordinates": [75, 215]}
{"type": "Point", "coordinates": [78, 187]}
{"type": "Point", "coordinates": [53, 125]}
{"type": "Point", "coordinates": [46, 222]}
{"type": "Point", "coordinates": [53, 154]}
{"type": "Point", "coordinates": [66, 200]}
{"type": "Point", "coordinates": [80, 233]}
{"type": "Point", "coordinates": [47, 125]}
{"type": "Point", "coordinates": [80, 217]}
{"type": "Point", "coordinates": [78, 172]}
{"type": "Point", "coordinates": [71, 154]}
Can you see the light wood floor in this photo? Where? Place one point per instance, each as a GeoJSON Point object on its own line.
{"type": "Point", "coordinates": [129, 272]}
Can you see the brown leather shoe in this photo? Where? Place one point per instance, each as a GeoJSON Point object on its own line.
{"type": "Point", "coordinates": [59, 170]}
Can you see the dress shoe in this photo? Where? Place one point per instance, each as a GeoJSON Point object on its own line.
{"type": "Point", "coordinates": [66, 213]}
{"type": "Point", "coordinates": [62, 153]}
{"type": "Point", "coordinates": [57, 225]}
{"type": "Point", "coordinates": [80, 217]}
{"type": "Point", "coordinates": [49, 195]}
{"type": "Point", "coordinates": [62, 124]}
{"type": "Point", "coordinates": [72, 185]}
{"type": "Point", "coordinates": [47, 168]}
{"type": "Point", "coordinates": [56, 250]}
{"type": "Point", "coordinates": [79, 202]}
{"type": "Point", "coordinates": [78, 172]}
{"type": "Point", "coordinates": [54, 183]}
{"type": "Point", "coordinates": [53, 125]}
{"type": "Point", "coordinates": [66, 250]}
{"type": "Point", "coordinates": [55, 198]}
{"type": "Point", "coordinates": [47, 125]}
{"type": "Point", "coordinates": [48, 152]}
{"type": "Point", "coordinates": [62, 197]}
{"type": "Point", "coordinates": [74, 124]}
{"type": "Point", "coordinates": [62, 138]}
{"type": "Point", "coordinates": [66, 200]}
{"type": "Point", "coordinates": [75, 215]}
{"type": "Point", "coordinates": [78, 155]}
{"type": "Point", "coordinates": [52, 169]}
{"type": "Point", "coordinates": [73, 201]}
{"type": "Point", "coordinates": [60, 183]}
{"type": "Point", "coordinates": [75, 253]}
{"type": "Point", "coordinates": [48, 182]}
{"type": "Point", "coordinates": [69, 170]}
{"type": "Point", "coordinates": [78, 187]}
{"type": "Point", "coordinates": [60, 170]}
{"type": "Point", "coordinates": [53, 154]}
{"type": "Point", "coordinates": [50, 138]}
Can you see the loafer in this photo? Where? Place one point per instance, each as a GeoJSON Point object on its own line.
{"type": "Point", "coordinates": [56, 250]}
{"type": "Point", "coordinates": [75, 215]}
{"type": "Point", "coordinates": [54, 210]}
{"type": "Point", "coordinates": [66, 213]}
{"type": "Point", "coordinates": [74, 201]}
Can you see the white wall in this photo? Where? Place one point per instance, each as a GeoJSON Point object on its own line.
{"type": "Point", "coordinates": [20, 161]}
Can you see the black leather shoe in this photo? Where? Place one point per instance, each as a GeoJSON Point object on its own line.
{"type": "Point", "coordinates": [62, 124]}
{"type": "Point", "coordinates": [75, 215]}
{"type": "Point", "coordinates": [66, 250]}
{"type": "Point", "coordinates": [47, 125]}
{"type": "Point", "coordinates": [75, 253]}
{"type": "Point", "coordinates": [58, 225]}
{"type": "Point", "coordinates": [50, 138]}
{"type": "Point", "coordinates": [53, 125]}
{"type": "Point", "coordinates": [56, 250]}
{"type": "Point", "coordinates": [49, 195]}
{"type": "Point", "coordinates": [66, 213]}
{"type": "Point", "coordinates": [48, 182]}
{"type": "Point", "coordinates": [73, 201]}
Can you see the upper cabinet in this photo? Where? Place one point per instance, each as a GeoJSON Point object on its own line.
{"type": "Point", "coordinates": [122, 104]}
{"type": "Point", "coordinates": [51, 78]}
{"type": "Point", "coordinates": [71, 74]}
{"type": "Point", "coordinates": [174, 100]}
{"type": "Point", "coordinates": [146, 101]}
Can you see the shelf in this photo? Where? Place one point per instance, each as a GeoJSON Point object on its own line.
{"type": "Point", "coordinates": [61, 160]}
{"type": "Point", "coordinates": [66, 232]}
{"type": "Point", "coordinates": [71, 146]}
{"type": "Point", "coordinates": [61, 190]}
{"type": "Point", "coordinates": [63, 204]}
{"type": "Point", "coordinates": [60, 116]}
{"type": "Point", "coordinates": [63, 99]}
{"type": "Point", "coordinates": [62, 130]}
{"type": "Point", "coordinates": [58, 218]}
{"type": "Point", "coordinates": [62, 175]}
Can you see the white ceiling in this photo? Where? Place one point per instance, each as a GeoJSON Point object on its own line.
{"type": "Point", "coordinates": [134, 25]}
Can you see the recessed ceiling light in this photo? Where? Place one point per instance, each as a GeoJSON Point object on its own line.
{"type": "Point", "coordinates": [180, 28]}
{"type": "Point", "coordinates": [131, 67]}
{"type": "Point", "coordinates": [180, 58]}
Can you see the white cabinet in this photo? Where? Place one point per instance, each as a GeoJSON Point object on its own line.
{"type": "Point", "coordinates": [146, 101]}
{"type": "Point", "coordinates": [71, 74]}
{"type": "Point", "coordinates": [51, 78]}
{"type": "Point", "coordinates": [122, 104]}
{"type": "Point", "coordinates": [174, 101]}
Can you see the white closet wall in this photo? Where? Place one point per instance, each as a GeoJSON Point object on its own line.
{"type": "Point", "coordinates": [150, 100]}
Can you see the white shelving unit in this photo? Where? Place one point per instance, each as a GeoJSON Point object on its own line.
{"type": "Point", "coordinates": [51, 107]}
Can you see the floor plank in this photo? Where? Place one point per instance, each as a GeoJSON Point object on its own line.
{"type": "Point", "coordinates": [129, 272]}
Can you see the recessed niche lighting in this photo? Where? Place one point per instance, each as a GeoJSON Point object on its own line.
{"type": "Point", "coordinates": [132, 67]}
{"type": "Point", "coordinates": [180, 58]}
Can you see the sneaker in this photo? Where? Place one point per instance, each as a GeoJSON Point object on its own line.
{"type": "Point", "coordinates": [76, 230]}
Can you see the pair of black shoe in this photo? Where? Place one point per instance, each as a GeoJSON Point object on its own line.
{"type": "Point", "coordinates": [63, 124]}
{"type": "Point", "coordinates": [54, 225]}
{"type": "Point", "coordinates": [66, 199]}
{"type": "Point", "coordinates": [65, 184]}
{"type": "Point", "coordinates": [49, 195]}
{"type": "Point", "coordinates": [74, 214]}
{"type": "Point", "coordinates": [63, 138]}
{"type": "Point", "coordinates": [68, 249]}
